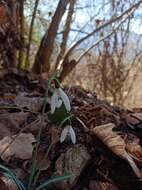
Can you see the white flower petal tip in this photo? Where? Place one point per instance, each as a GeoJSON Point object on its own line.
{"type": "Point", "coordinates": [64, 134]}
{"type": "Point", "coordinates": [59, 103]}
{"type": "Point", "coordinates": [65, 99]}
{"type": "Point", "coordinates": [54, 101]}
{"type": "Point", "coordinates": [72, 135]}
{"type": "Point", "coordinates": [68, 130]}
{"type": "Point", "coordinates": [59, 97]}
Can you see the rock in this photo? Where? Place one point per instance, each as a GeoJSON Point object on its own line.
{"type": "Point", "coordinates": [73, 161]}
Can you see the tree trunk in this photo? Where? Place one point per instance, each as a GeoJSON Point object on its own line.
{"type": "Point", "coordinates": [9, 39]}
{"type": "Point", "coordinates": [69, 66]}
{"type": "Point", "coordinates": [21, 28]}
{"type": "Point", "coordinates": [42, 60]}
{"type": "Point", "coordinates": [65, 33]}
{"type": "Point", "coordinates": [27, 62]}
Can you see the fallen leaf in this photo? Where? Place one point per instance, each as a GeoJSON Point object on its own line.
{"type": "Point", "coordinates": [9, 184]}
{"type": "Point", "coordinates": [135, 151]}
{"type": "Point", "coordinates": [4, 131]}
{"type": "Point", "coordinates": [138, 116]}
{"type": "Point", "coordinates": [19, 117]}
{"type": "Point", "coordinates": [21, 147]}
{"type": "Point", "coordinates": [32, 103]}
{"type": "Point", "coordinates": [13, 121]}
{"type": "Point", "coordinates": [43, 162]}
{"type": "Point", "coordinates": [133, 118]}
{"type": "Point", "coordinates": [2, 185]}
{"type": "Point", "coordinates": [115, 143]}
{"type": "Point", "coordinates": [54, 135]}
{"type": "Point", "coordinates": [19, 173]}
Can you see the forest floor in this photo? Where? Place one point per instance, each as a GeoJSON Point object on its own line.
{"type": "Point", "coordinates": [108, 151]}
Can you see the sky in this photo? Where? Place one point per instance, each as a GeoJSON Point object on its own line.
{"type": "Point", "coordinates": [136, 24]}
{"type": "Point", "coordinates": [82, 16]}
{"type": "Point", "coordinates": [137, 27]}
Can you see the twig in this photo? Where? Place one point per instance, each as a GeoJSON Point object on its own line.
{"type": "Point", "coordinates": [131, 9]}
{"type": "Point", "coordinates": [83, 125]}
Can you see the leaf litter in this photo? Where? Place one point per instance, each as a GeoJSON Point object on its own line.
{"type": "Point", "coordinates": [110, 135]}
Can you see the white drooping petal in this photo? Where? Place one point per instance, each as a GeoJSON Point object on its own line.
{"type": "Point", "coordinates": [72, 135]}
{"type": "Point", "coordinates": [64, 133]}
{"type": "Point", "coordinates": [65, 99]}
{"type": "Point", "coordinates": [59, 103]}
{"type": "Point", "coordinates": [54, 101]}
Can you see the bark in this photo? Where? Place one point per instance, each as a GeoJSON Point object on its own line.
{"type": "Point", "coordinates": [66, 31]}
{"type": "Point", "coordinates": [42, 60]}
{"type": "Point", "coordinates": [27, 64]}
{"type": "Point", "coordinates": [66, 70]}
{"type": "Point", "coordinates": [21, 22]}
{"type": "Point", "coordinates": [9, 40]}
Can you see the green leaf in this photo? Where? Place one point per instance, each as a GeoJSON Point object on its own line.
{"type": "Point", "coordinates": [18, 182]}
{"type": "Point", "coordinates": [59, 115]}
{"type": "Point", "coordinates": [33, 170]}
{"type": "Point", "coordinates": [8, 173]}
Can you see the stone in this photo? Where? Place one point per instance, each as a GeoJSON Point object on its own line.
{"type": "Point", "coordinates": [73, 161]}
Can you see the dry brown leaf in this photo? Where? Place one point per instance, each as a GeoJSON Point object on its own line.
{"type": "Point", "coordinates": [115, 143]}
{"type": "Point", "coordinates": [54, 135]}
{"type": "Point", "coordinates": [32, 103]}
{"type": "Point", "coordinates": [36, 124]}
{"type": "Point", "coordinates": [19, 117]}
{"type": "Point", "coordinates": [21, 147]}
{"type": "Point", "coordinates": [19, 173]}
{"type": "Point", "coordinates": [135, 151]}
{"type": "Point", "coordinates": [4, 131]}
{"type": "Point", "coordinates": [133, 118]}
{"type": "Point", "coordinates": [2, 185]}
{"type": "Point", "coordinates": [43, 162]}
{"type": "Point", "coordinates": [13, 121]}
{"type": "Point", "coordinates": [10, 122]}
{"type": "Point", "coordinates": [9, 184]}
{"type": "Point", "coordinates": [137, 115]}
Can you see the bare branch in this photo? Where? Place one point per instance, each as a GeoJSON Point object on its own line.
{"type": "Point", "coordinates": [100, 40]}
{"type": "Point", "coordinates": [131, 9]}
{"type": "Point", "coordinates": [67, 66]}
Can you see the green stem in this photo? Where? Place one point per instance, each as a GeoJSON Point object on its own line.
{"type": "Point", "coordinates": [34, 176]}
{"type": "Point", "coordinates": [45, 156]}
{"type": "Point", "coordinates": [34, 163]}
{"type": "Point", "coordinates": [67, 118]}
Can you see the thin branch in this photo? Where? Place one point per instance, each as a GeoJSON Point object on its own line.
{"type": "Point", "coordinates": [100, 40]}
{"type": "Point", "coordinates": [135, 6]}
{"type": "Point", "coordinates": [30, 33]}
{"type": "Point", "coordinates": [73, 30]}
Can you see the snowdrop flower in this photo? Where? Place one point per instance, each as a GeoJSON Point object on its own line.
{"type": "Point", "coordinates": [59, 97]}
{"type": "Point", "coordinates": [68, 131]}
